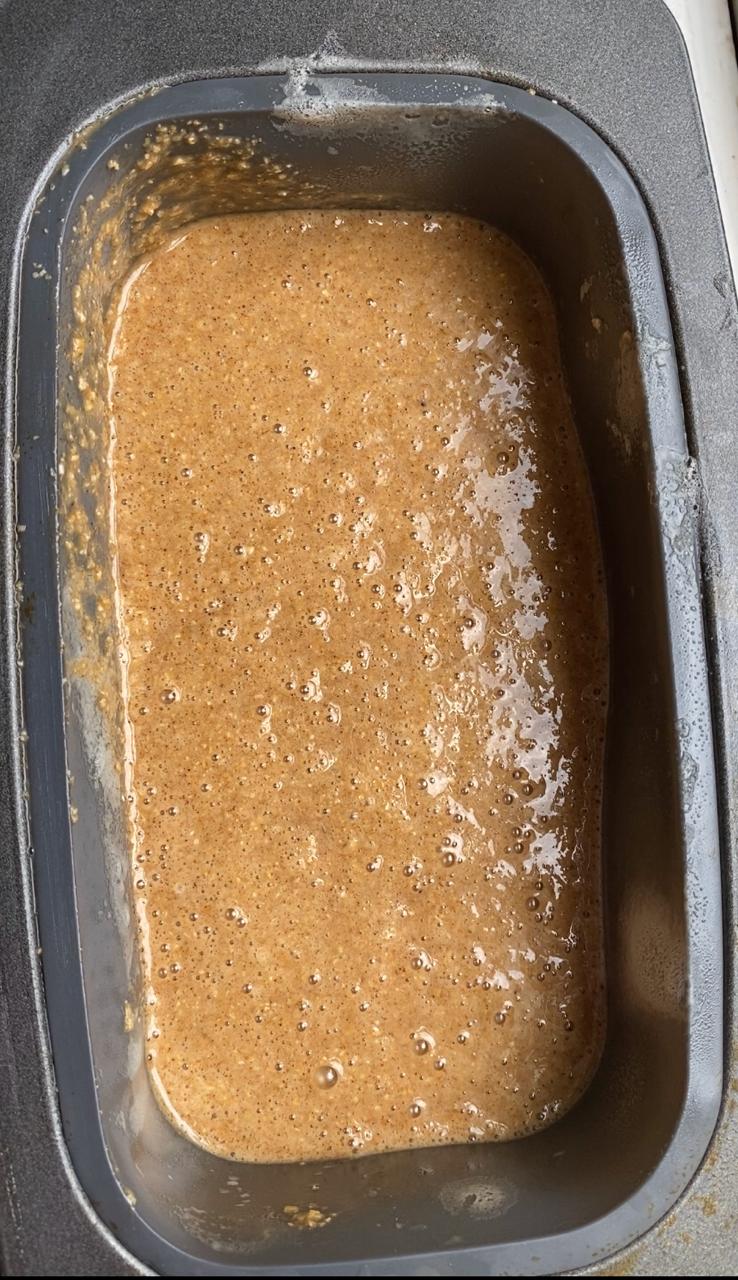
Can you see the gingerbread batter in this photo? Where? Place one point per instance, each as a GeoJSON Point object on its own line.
{"type": "Point", "coordinates": [365, 668]}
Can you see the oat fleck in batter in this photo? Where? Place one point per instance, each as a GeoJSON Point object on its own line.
{"type": "Point", "coordinates": [361, 597]}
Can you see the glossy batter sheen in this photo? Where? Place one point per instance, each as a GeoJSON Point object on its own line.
{"type": "Point", "coordinates": [365, 649]}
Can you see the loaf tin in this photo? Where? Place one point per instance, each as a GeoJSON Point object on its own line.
{"type": "Point", "coordinates": [617, 1162]}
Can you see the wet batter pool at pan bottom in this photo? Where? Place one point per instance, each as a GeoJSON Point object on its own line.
{"type": "Point", "coordinates": [361, 597]}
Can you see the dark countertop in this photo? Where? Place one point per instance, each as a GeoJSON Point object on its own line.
{"type": "Point", "coordinates": [625, 70]}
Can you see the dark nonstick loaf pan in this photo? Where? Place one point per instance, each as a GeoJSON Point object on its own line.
{"type": "Point", "coordinates": [598, 1178]}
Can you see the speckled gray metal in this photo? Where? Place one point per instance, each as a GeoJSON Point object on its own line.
{"type": "Point", "coordinates": [624, 69]}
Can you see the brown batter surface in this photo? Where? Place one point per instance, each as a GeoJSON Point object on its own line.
{"type": "Point", "coordinates": [365, 668]}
